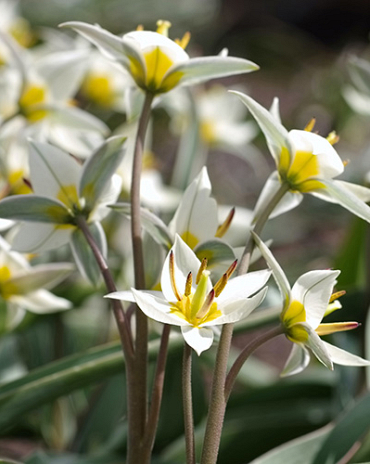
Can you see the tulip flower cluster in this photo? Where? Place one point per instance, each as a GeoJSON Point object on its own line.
{"type": "Point", "coordinates": [72, 188]}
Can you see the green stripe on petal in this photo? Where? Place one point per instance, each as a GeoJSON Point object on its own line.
{"type": "Point", "coordinates": [34, 208]}
{"type": "Point", "coordinates": [198, 70]}
{"type": "Point", "coordinates": [277, 271]}
{"type": "Point", "coordinates": [275, 133]}
{"type": "Point", "coordinates": [338, 193]}
{"type": "Point", "coordinates": [99, 169]}
{"type": "Point", "coordinates": [42, 276]}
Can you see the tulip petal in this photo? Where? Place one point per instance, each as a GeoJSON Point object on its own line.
{"type": "Point", "coordinates": [151, 223]}
{"type": "Point", "coordinates": [297, 361]}
{"type": "Point", "coordinates": [83, 254]}
{"type": "Point", "coordinates": [289, 201]}
{"type": "Point", "coordinates": [53, 172]}
{"type": "Point", "coordinates": [63, 72]}
{"type": "Point", "coordinates": [41, 276]}
{"type": "Point", "coordinates": [157, 308]}
{"type": "Point", "coordinates": [342, 357]}
{"type": "Point", "coordinates": [277, 272]}
{"type": "Point", "coordinates": [238, 310]}
{"type": "Point", "coordinates": [185, 262]}
{"type": "Point", "coordinates": [244, 286]}
{"type": "Point", "coordinates": [99, 169]}
{"type": "Point", "coordinates": [41, 302]}
{"type": "Point", "coordinates": [343, 196]}
{"type": "Point", "coordinates": [313, 289]}
{"type": "Point", "coordinates": [110, 45]}
{"type": "Point", "coordinates": [316, 345]}
{"type": "Point", "coordinates": [32, 238]}
{"type": "Point", "coordinates": [216, 251]}
{"type": "Point", "coordinates": [275, 133]}
{"type": "Point", "coordinates": [196, 219]}
{"type": "Point", "coordinates": [198, 70]}
{"type": "Point", "coordinates": [34, 208]}
{"type": "Point", "coordinates": [200, 339]}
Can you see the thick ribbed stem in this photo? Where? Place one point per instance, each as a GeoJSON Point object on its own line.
{"type": "Point", "coordinates": [187, 401]}
{"type": "Point", "coordinates": [218, 401]}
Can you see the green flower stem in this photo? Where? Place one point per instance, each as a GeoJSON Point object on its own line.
{"type": "Point", "coordinates": [261, 221]}
{"type": "Point", "coordinates": [244, 355]}
{"type": "Point", "coordinates": [157, 392]}
{"type": "Point", "coordinates": [187, 402]}
{"type": "Point", "coordinates": [141, 346]}
{"type": "Point", "coordinates": [218, 401]}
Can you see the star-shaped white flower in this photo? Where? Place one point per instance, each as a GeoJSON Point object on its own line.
{"type": "Point", "coordinates": [304, 306]}
{"type": "Point", "coordinates": [306, 163]}
{"type": "Point", "coordinates": [156, 63]}
{"type": "Point", "coordinates": [189, 300]}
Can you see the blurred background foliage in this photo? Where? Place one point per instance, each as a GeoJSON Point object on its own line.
{"type": "Point", "coordinates": [303, 50]}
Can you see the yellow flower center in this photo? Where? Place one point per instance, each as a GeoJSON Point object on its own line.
{"type": "Point", "coordinates": [190, 239]}
{"type": "Point", "coordinates": [294, 314]}
{"type": "Point", "coordinates": [207, 132]}
{"type": "Point", "coordinates": [69, 196]}
{"type": "Point", "coordinates": [98, 89]}
{"type": "Point", "coordinates": [7, 289]}
{"type": "Point", "coordinates": [30, 102]}
{"type": "Point", "coordinates": [188, 311]}
{"type": "Point", "coordinates": [299, 172]}
{"type": "Point", "coordinates": [199, 307]}
{"type": "Point", "coordinates": [17, 184]}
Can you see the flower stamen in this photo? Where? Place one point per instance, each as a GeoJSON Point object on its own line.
{"type": "Point", "coordinates": [183, 43]}
{"type": "Point", "coordinates": [202, 267]}
{"type": "Point", "coordinates": [224, 227]}
{"type": "Point", "coordinates": [163, 27]}
{"type": "Point", "coordinates": [311, 124]}
{"type": "Point", "coordinates": [172, 277]}
{"type": "Point", "coordinates": [188, 284]}
{"type": "Point", "coordinates": [206, 305]}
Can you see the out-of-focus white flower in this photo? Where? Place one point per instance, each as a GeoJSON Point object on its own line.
{"type": "Point", "coordinates": [23, 287]}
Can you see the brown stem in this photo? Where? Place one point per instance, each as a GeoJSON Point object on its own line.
{"type": "Point", "coordinates": [244, 262]}
{"type": "Point", "coordinates": [218, 402]}
{"type": "Point", "coordinates": [217, 407]}
{"type": "Point", "coordinates": [157, 393]}
{"type": "Point", "coordinates": [121, 320]}
{"type": "Point", "coordinates": [187, 402]}
{"type": "Point", "coordinates": [244, 355]}
{"type": "Point", "coordinates": [141, 339]}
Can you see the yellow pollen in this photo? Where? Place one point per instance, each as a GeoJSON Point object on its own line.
{"type": "Point", "coordinates": [183, 43]}
{"type": "Point", "coordinates": [224, 227]}
{"type": "Point", "coordinates": [333, 138]}
{"type": "Point", "coordinates": [98, 89]}
{"type": "Point", "coordinates": [310, 125]}
{"type": "Point", "coordinates": [163, 27]}
{"type": "Point", "coordinates": [140, 27]}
